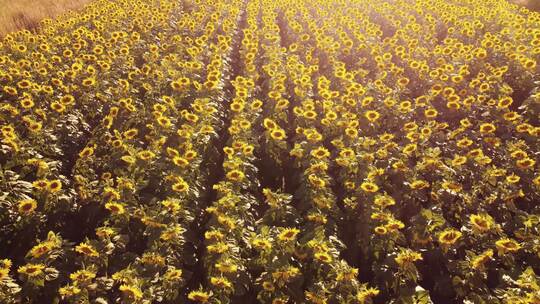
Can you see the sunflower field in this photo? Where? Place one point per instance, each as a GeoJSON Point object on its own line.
{"type": "Point", "coordinates": [272, 151]}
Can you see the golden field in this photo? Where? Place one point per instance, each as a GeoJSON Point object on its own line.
{"type": "Point", "coordinates": [261, 151]}
{"type": "Point", "coordinates": [26, 14]}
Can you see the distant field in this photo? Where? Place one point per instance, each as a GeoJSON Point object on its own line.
{"type": "Point", "coordinates": [531, 4]}
{"type": "Point", "coordinates": [19, 14]}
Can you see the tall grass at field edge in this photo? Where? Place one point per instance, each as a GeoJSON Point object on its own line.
{"type": "Point", "coordinates": [26, 14]}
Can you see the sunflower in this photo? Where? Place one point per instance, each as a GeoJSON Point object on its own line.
{"type": "Point", "coordinates": [130, 291]}
{"type": "Point", "coordinates": [285, 274]}
{"type": "Point", "coordinates": [536, 181]}
{"type": "Point", "coordinates": [237, 106]}
{"type": "Point", "coordinates": [409, 149]}
{"type": "Point", "coordinates": [372, 116]}
{"type": "Point", "coordinates": [82, 276]}
{"type": "Point", "coordinates": [164, 121]}
{"type": "Point", "coordinates": [403, 81]}
{"type": "Point", "coordinates": [512, 179]}
{"type": "Point", "coordinates": [278, 134]}
{"type": "Point", "coordinates": [281, 300]}
{"type": "Point", "coordinates": [419, 184]}
{"type": "Point", "coordinates": [464, 142]}
{"type": "Point", "coordinates": [288, 234]}
{"type": "Point", "coordinates": [351, 132]}
{"type": "Point", "coordinates": [181, 84]}
{"type": "Point", "coordinates": [190, 154]}
{"type": "Point", "coordinates": [27, 206]}
{"type": "Point", "coordinates": [256, 104]}
{"type": "Point", "coordinates": [459, 160]}
{"type": "Point", "coordinates": [89, 82]}
{"type": "Point", "coordinates": [180, 186]}
{"type": "Point", "coordinates": [58, 107]}
{"type": "Point", "coordinates": [146, 155]}
{"type": "Point", "coordinates": [235, 175]}
{"type": "Point", "coordinates": [365, 295]}
{"type": "Point", "coordinates": [173, 275]}
{"type": "Point", "coordinates": [268, 286]}
{"type": "Point", "coordinates": [69, 291]}
{"type": "Point", "coordinates": [128, 159]}
{"type": "Point", "coordinates": [406, 257]}
{"type": "Point", "coordinates": [316, 181]}
{"type": "Point", "coordinates": [67, 100]}
{"type": "Point", "coordinates": [26, 103]}
{"type": "Point", "coordinates": [453, 105]}
{"type": "Point", "coordinates": [487, 128]}
{"type": "Point", "coordinates": [261, 244]}
{"type": "Point", "coordinates": [54, 186]}
{"type": "Point", "coordinates": [31, 270]}
{"type": "Point", "coordinates": [115, 208]}
{"type": "Point", "coordinates": [394, 225]}
{"type": "Point", "coordinates": [311, 115]}
{"type": "Point", "coordinates": [87, 250]}
{"type": "Point", "coordinates": [526, 163]}
{"type": "Point", "coordinates": [381, 230]}
{"type": "Point", "coordinates": [430, 113]}
{"type": "Point", "coordinates": [481, 222]}
{"type": "Point", "coordinates": [506, 245]}
{"type": "Point", "coordinates": [10, 90]}
{"type": "Point", "coordinates": [511, 116]}
{"type": "Point", "coordinates": [270, 124]}
{"type": "Point", "coordinates": [105, 232]}
{"type": "Point", "coordinates": [480, 260]}
{"type": "Point", "coordinates": [449, 237]}
{"type": "Point", "coordinates": [221, 282]}
{"type": "Point", "coordinates": [86, 152]}
{"type": "Point", "coordinates": [519, 154]}
{"type": "Point", "coordinates": [323, 257]}
{"type": "Point", "coordinates": [226, 267]}
{"type": "Point", "coordinates": [369, 187]}
{"type": "Point", "coordinates": [320, 153]}
{"type": "Point", "coordinates": [41, 249]}
{"type": "Point", "coordinates": [199, 296]}
{"type": "Point", "coordinates": [4, 273]}
{"type": "Point", "coordinates": [180, 161]}
{"type": "Point", "coordinates": [317, 218]}
{"type": "Point", "coordinates": [347, 275]}
{"type": "Point", "coordinates": [505, 102]}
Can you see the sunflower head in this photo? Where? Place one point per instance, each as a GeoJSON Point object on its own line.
{"type": "Point", "coordinates": [449, 237]}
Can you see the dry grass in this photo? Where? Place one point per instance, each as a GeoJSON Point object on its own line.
{"type": "Point", "coordinates": [26, 14]}
{"type": "Point", "coordinates": [530, 4]}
